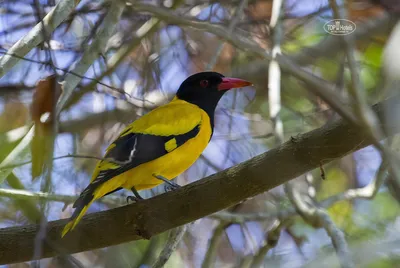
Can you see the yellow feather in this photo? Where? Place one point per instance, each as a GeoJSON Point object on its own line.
{"type": "Point", "coordinates": [170, 145]}
{"type": "Point", "coordinates": [71, 224]}
{"type": "Point", "coordinates": [175, 118]}
{"type": "Point", "coordinates": [112, 145]}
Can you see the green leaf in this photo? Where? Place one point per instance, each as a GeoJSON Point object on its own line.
{"type": "Point", "coordinates": [373, 55]}
{"type": "Point", "coordinates": [302, 39]}
{"type": "Point", "coordinates": [28, 207]}
{"type": "Point", "coordinates": [384, 207]}
{"type": "Point", "coordinates": [16, 156]}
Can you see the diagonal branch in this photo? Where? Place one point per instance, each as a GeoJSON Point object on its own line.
{"type": "Point", "coordinates": [36, 35]}
{"type": "Point", "coordinates": [91, 52]}
{"type": "Point", "coordinates": [219, 191]}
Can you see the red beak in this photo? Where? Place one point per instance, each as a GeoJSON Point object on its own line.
{"type": "Point", "coordinates": [228, 83]}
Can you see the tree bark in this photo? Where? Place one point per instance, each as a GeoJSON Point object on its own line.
{"type": "Point", "coordinates": [153, 216]}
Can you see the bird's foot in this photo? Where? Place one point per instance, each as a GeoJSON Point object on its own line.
{"type": "Point", "coordinates": [136, 196]}
{"type": "Point", "coordinates": [131, 198]}
{"type": "Point", "coordinates": [170, 185]}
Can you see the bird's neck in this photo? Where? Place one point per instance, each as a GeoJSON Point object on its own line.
{"type": "Point", "coordinates": [207, 105]}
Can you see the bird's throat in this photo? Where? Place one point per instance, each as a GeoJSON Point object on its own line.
{"type": "Point", "coordinates": [208, 105]}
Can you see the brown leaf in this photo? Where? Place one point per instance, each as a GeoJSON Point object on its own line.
{"type": "Point", "coordinates": [45, 98]}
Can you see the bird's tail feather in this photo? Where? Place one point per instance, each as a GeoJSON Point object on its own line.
{"type": "Point", "coordinates": [74, 220]}
{"type": "Point", "coordinates": [81, 205]}
{"type": "Point", "coordinates": [95, 190]}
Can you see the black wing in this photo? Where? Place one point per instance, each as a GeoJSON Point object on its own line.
{"type": "Point", "coordinates": [135, 149]}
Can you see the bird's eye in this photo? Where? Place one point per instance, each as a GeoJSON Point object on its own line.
{"type": "Point", "coordinates": [204, 83]}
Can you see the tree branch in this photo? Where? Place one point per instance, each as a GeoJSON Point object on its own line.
{"type": "Point", "coordinates": [152, 216]}
{"type": "Point", "coordinates": [36, 35]}
{"type": "Point", "coordinates": [91, 52]}
{"type": "Point", "coordinates": [175, 236]}
{"type": "Point", "coordinates": [18, 194]}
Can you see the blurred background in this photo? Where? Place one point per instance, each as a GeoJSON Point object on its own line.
{"type": "Point", "coordinates": [116, 61]}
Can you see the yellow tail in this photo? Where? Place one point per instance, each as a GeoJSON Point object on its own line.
{"type": "Point", "coordinates": [75, 219]}
{"type": "Point", "coordinates": [93, 191]}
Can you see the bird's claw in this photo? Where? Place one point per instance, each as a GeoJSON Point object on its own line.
{"type": "Point", "coordinates": [171, 186]}
{"type": "Point", "coordinates": [132, 198]}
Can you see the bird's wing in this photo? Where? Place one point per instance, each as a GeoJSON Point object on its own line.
{"type": "Point", "coordinates": [134, 149]}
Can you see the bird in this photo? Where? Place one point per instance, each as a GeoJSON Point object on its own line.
{"type": "Point", "coordinates": [160, 145]}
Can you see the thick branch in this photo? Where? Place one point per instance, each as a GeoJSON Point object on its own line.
{"type": "Point", "coordinates": [196, 200]}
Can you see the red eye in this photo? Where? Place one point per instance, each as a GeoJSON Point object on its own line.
{"type": "Point", "coordinates": [204, 83]}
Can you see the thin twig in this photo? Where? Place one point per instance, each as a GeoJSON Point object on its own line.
{"type": "Point", "coordinates": [91, 52]}
{"type": "Point", "coordinates": [337, 237]}
{"type": "Point", "coordinates": [67, 199]}
{"type": "Point", "coordinates": [174, 237]}
{"type": "Point", "coordinates": [65, 71]}
{"type": "Point", "coordinates": [107, 159]}
{"type": "Point", "coordinates": [270, 242]}
{"type": "Point", "coordinates": [213, 244]}
{"type": "Point", "coordinates": [318, 218]}
{"type": "Point", "coordinates": [367, 192]}
{"type": "Point", "coordinates": [51, 21]}
{"type": "Point", "coordinates": [274, 71]}
{"type": "Point", "coordinates": [146, 29]}
{"type": "Point", "coordinates": [233, 22]}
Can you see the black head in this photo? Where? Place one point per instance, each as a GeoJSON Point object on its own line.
{"type": "Point", "coordinates": [206, 89]}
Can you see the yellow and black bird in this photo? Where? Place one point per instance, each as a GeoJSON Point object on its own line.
{"type": "Point", "coordinates": [160, 145]}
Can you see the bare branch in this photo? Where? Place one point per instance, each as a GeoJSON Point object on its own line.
{"type": "Point", "coordinates": [271, 241]}
{"type": "Point", "coordinates": [91, 52]}
{"type": "Point", "coordinates": [337, 237]}
{"type": "Point", "coordinates": [67, 199]}
{"type": "Point", "coordinates": [213, 244]}
{"type": "Point", "coordinates": [274, 71]}
{"type": "Point", "coordinates": [233, 22]}
{"type": "Point", "coordinates": [36, 35]}
{"type": "Point", "coordinates": [174, 237]}
{"type": "Point", "coordinates": [111, 160]}
{"type": "Point", "coordinates": [318, 218]}
{"type": "Point", "coordinates": [147, 28]}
